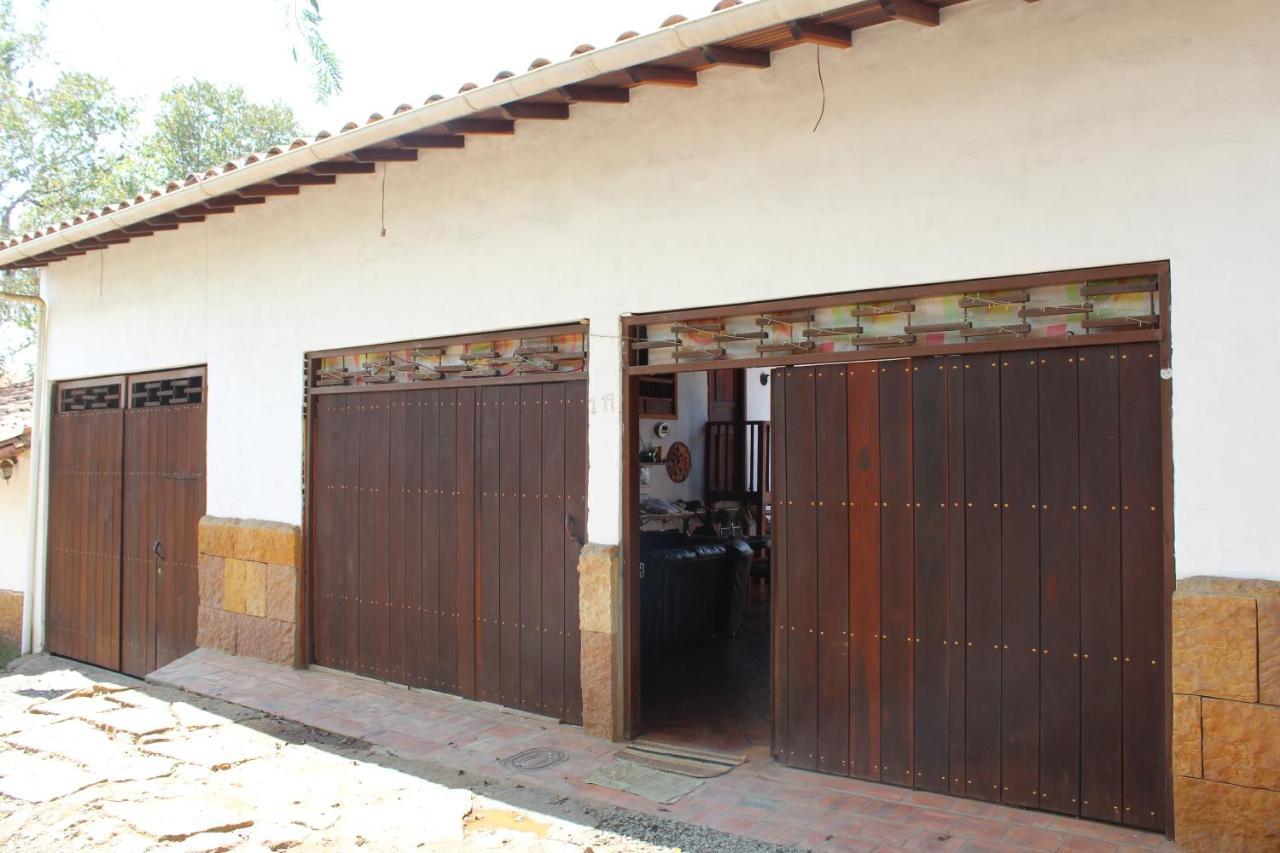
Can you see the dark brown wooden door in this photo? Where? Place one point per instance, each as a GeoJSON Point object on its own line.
{"type": "Point", "coordinates": [86, 442]}
{"type": "Point", "coordinates": [969, 593]}
{"type": "Point", "coordinates": [164, 495]}
{"type": "Point", "coordinates": [126, 494]}
{"type": "Point", "coordinates": [445, 528]}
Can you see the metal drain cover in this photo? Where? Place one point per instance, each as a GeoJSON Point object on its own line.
{"type": "Point", "coordinates": [538, 758]}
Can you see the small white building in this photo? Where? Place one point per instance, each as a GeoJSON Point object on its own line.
{"type": "Point", "coordinates": [399, 399]}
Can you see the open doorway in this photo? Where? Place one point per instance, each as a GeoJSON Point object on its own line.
{"type": "Point", "coordinates": [703, 527]}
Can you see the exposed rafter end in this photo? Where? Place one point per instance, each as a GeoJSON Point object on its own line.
{"type": "Point", "coordinates": [659, 75]}
{"type": "Point", "coordinates": [343, 167]}
{"type": "Point", "coordinates": [717, 55]}
{"type": "Point", "coordinates": [385, 155]}
{"type": "Point", "coordinates": [536, 110]}
{"type": "Point", "coordinates": [911, 10]}
{"type": "Point", "coordinates": [596, 94]}
{"type": "Point", "coordinates": [268, 189]}
{"type": "Point", "coordinates": [304, 179]}
{"type": "Point", "coordinates": [432, 140]}
{"type": "Point", "coordinates": [816, 32]}
{"type": "Point", "coordinates": [482, 126]}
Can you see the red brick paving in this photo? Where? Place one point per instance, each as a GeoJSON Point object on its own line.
{"type": "Point", "coordinates": [760, 799]}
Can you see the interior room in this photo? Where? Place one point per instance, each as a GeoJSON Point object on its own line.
{"type": "Point", "coordinates": [704, 534]}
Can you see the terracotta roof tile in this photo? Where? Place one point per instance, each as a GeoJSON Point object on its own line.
{"type": "Point", "coordinates": [15, 409]}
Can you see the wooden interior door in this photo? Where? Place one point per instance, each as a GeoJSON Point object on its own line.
{"type": "Point", "coordinates": [968, 590]}
{"type": "Point", "coordinates": [82, 611]}
{"type": "Point", "coordinates": [446, 525]}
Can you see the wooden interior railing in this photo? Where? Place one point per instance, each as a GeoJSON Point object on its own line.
{"type": "Point", "coordinates": [737, 463]}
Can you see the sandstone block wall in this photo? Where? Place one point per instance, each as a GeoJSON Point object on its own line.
{"type": "Point", "coordinates": [249, 603]}
{"type": "Point", "coordinates": [1226, 714]}
{"type": "Point", "coordinates": [599, 614]}
{"type": "Point", "coordinates": [10, 620]}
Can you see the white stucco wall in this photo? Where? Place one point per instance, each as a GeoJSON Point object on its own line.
{"type": "Point", "coordinates": [13, 526]}
{"type": "Point", "coordinates": [1015, 138]}
{"type": "Point", "coordinates": [689, 427]}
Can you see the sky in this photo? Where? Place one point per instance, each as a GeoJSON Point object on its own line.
{"type": "Point", "coordinates": [392, 51]}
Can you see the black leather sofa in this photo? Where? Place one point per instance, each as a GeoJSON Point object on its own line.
{"type": "Point", "coordinates": [693, 588]}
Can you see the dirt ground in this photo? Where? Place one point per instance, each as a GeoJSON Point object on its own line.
{"type": "Point", "coordinates": [91, 760]}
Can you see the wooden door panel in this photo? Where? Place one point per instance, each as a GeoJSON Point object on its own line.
{"type": "Point", "coordinates": [440, 540]}
{"type": "Point", "coordinates": [82, 615]}
{"type": "Point", "coordinates": [1000, 559]}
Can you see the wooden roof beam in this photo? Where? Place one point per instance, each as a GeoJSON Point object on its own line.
{"type": "Point", "coordinates": [303, 179]}
{"type": "Point", "coordinates": [911, 10]}
{"type": "Point", "coordinates": [482, 126]}
{"type": "Point", "coordinates": [205, 209]}
{"type": "Point", "coordinates": [383, 155]}
{"type": "Point", "coordinates": [596, 94]}
{"type": "Point", "coordinates": [816, 32]}
{"type": "Point", "coordinates": [720, 55]}
{"type": "Point", "coordinates": [236, 200]}
{"type": "Point", "coordinates": [267, 189]}
{"type": "Point", "coordinates": [432, 140]}
{"type": "Point", "coordinates": [146, 229]}
{"type": "Point", "coordinates": [343, 167]}
{"type": "Point", "coordinates": [175, 219]}
{"type": "Point", "coordinates": [536, 110]}
{"type": "Point", "coordinates": [659, 75]}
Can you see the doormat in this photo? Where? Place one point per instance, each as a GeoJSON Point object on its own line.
{"type": "Point", "coordinates": [648, 782]}
{"type": "Point", "coordinates": [686, 761]}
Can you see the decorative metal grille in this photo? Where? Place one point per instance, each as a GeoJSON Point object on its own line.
{"type": "Point", "coordinates": [175, 391]}
{"type": "Point", "coordinates": [90, 397]}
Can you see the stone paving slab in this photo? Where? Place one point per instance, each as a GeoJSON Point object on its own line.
{"type": "Point", "coordinates": [817, 811]}
{"type": "Point", "coordinates": [83, 775]}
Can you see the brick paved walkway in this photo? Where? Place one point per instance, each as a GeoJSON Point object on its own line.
{"type": "Point", "coordinates": [761, 799]}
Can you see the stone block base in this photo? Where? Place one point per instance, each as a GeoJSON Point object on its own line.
{"type": "Point", "coordinates": [249, 588]}
{"type": "Point", "coordinates": [600, 615]}
{"type": "Point", "coordinates": [10, 618]}
{"type": "Point", "coordinates": [1226, 714]}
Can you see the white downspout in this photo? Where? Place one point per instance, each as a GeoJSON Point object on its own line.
{"type": "Point", "coordinates": [40, 441]}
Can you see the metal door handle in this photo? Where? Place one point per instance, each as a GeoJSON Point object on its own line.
{"type": "Point", "coordinates": [157, 550]}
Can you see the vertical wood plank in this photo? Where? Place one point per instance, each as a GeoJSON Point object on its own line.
{"type": "Point", "coordinates": [956, 634]}
{"type": "Point", "coordinates": [465, 537]}
{"type": "Point", "coordinates": [509, 535]}
{"type": "Point", "coordinates": [432, 414]}
{"type": "Point", "coordinates": [1100, 592]}
{"type": "Point", "coordinates": [397, 490]}
{"type": "Point", "coordinates": [551, 511]}
{"type": "Point", "coordinates": [488, 655]}
{"type": "Point", "coordinates": [982, 576]}
{"type": "Point", "coordinates": [1142, 586]}
{"type": "Point", "coordinates": [530, 548]}
{"type": "Point", "coordinates": [897, 592]}
{"type": "Point", "coordinates": [1059, 582]}
{"type": "Point", "coordinates": [778, 599]}
{"type": "Point", "coordinates": [412, 461]}
{"type": "Point", "coordinates": [373, 583]}
{"type": "Point", "coordinates": [863, 397]}
{"type": "Point", "coordinates": [575, 476]}
{"type": "Point", "coordinates": [348, 631]}
{"type": "Point", "coordinates": [450, 570]}
{"type": "Point", "coordinates": [931, 647]}
{"type": "Point", "coordinates": [1020, 579]}
{"type": "Point", "coordinates": [802, 576]}
{"type": "Point", "coordinates": [831, 413]}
